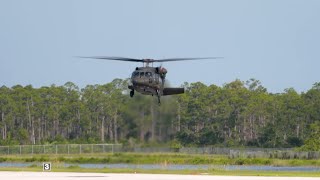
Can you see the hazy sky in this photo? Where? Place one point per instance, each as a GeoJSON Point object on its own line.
{"type": "Point", "coordinates": [276, 42]}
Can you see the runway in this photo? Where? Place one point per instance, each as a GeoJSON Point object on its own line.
{"type": "Point", "coordinates": [114, 176]}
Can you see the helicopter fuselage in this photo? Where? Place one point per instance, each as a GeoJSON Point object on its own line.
{"type": "Point", "coordinates": [150, 81]}
{"type": "Point", "coordinates": [147, 80]}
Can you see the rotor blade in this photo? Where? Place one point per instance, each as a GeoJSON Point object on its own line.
{"type": "Point", "coordinates": [185, 59]}
{"type": "Point", "coordinates": [114, 58]}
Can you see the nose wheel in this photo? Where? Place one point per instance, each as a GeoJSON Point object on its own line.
{"type": "Point", "coordinates": [131, 93]}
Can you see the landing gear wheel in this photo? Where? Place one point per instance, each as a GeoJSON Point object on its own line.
{"type": "Point", "coordinates": [131, 93]}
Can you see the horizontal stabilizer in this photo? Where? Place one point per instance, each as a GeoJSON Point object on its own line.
{"type": "Point", "coordinates": [171, 91]}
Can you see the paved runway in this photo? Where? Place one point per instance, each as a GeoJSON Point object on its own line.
{"type": "Point", "coordinates": [113, 176]}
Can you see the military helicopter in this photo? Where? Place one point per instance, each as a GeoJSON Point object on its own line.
{"type": "Point", "coordinates": [149, 80]}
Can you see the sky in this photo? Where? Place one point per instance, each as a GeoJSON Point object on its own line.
{"type": "Point", "coordinates": [275, 42]}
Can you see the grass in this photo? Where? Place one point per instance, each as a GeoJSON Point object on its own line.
{"type": "Point", "coordinates": [34, 168]}
{"type": "Point", "coordinates": [157, 158]}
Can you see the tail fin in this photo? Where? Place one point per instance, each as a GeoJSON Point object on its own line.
{"type": "Point", "coordinates": [171, 91]}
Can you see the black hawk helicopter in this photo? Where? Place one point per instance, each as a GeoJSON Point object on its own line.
{"type": "Point", "coordinates": [149, 80]}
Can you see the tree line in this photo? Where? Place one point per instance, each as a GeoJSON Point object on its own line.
{"type": "Point", "coordinates": [237, 114]}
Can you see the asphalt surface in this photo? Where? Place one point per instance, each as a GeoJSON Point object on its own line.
{"type": "Point", "coordinates": [114, 176]}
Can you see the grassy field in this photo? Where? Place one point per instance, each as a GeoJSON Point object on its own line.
{"type": "Point", "coordinates": [157, 158]}
{"type": "Point", "coordinates": [163, 171]}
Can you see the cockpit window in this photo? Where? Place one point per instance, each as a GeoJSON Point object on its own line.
{"type": "Point", "coordinates": [135, 74]}
{"type": "Point", "coordinates": [141, 74]}
{"type": "Point", "coordinates": [148, 74]}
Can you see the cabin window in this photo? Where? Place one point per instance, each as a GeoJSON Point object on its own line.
{"type": "Point", "coordinates": [148, 74]}
{"type": "Point", "coordinates": [156, 77]}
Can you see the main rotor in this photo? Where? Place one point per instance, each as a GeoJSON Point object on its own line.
{"type": "Point", "coordinates": [146, 62]}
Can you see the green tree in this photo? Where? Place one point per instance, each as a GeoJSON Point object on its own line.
{"type": "Point", "coordinates": [312, 143]}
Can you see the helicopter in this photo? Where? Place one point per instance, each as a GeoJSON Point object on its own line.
{"type": "Point", "coordinates": [149, 80]}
